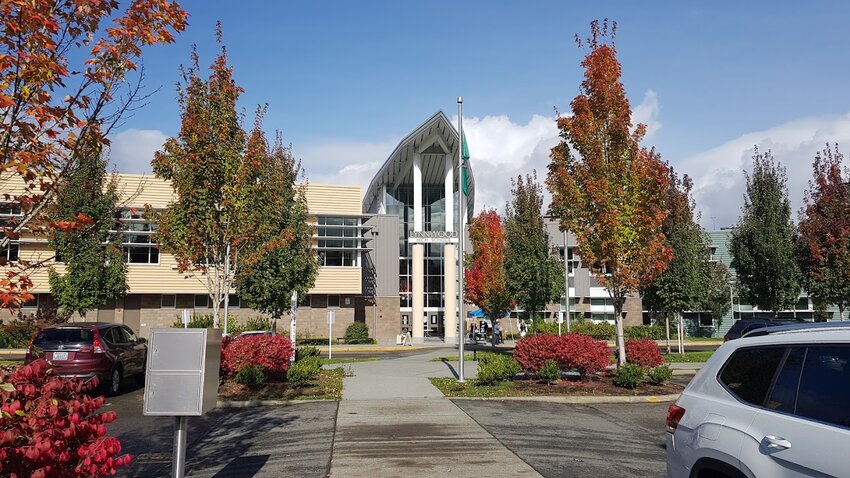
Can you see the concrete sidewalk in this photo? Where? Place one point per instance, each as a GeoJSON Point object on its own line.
{"type": "Point", "coordinates": [393, 423]}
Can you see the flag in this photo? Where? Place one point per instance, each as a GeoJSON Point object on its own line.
{"type": "Point", "coordinates": [465, 167]}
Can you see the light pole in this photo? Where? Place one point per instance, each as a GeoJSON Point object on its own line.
{"type": "Point", "coordinates": [566, 283]}
{"type": "Point", "coordinates": [460, 229]}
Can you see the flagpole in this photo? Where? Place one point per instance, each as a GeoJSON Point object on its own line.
{"type": "Point", "coordinates": [460, 229]}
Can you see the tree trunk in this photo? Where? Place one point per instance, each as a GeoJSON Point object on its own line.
{"type": "Point", "coordinates": [621, 344]}
{"type": "Point", "coordinates": [681, 327]}
{"type": "Point", "coordinates": [667, 329]}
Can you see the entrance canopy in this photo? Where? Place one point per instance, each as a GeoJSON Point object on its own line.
{"type": "Point", "coordinates": [432, 141]}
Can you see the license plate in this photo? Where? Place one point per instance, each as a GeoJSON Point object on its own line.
{"type": "Point", "coordinates": [60, 355]}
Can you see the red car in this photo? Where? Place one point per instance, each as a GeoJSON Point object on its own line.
{"type": "Point", "coordinates": [88, 349]}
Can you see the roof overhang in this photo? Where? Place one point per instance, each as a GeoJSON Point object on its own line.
{"type": "Point", "coordinates": [432, 140]}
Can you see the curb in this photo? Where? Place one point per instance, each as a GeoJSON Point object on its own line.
{"type": "Point", "coordinates": [5, 352]}
{"type": "Point", "coordinates": [264, 403]}
{"type": "Point", "coordinates": [583, 400]}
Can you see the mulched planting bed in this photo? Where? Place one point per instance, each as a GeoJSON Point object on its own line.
{"type": "Point", "coordinates": [596, 386]}
{"type": "Point", "coordinates": [327, 386]}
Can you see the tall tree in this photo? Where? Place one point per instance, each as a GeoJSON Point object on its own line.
{"type": "Point", "coordinates": [607, 189]}
{"type": "Point", "coordinates": [202, 162]}
{"type": "Point", "coordinates": [532, 276]}
{"type": "Point", "coordinates": [823, 244]}
{"type": "Point", "coordinates": [762, 245]}
{"type": "Point", "coordinates": [95, 272]}
{"type": "Point", "coordinates": [484, 280]}
{"type": "Point", "coordinates": [691, 281]}
{"type": "Point", "coordinates": [61, 69]}
{"type": "Point", "coordinates": [275, 250]}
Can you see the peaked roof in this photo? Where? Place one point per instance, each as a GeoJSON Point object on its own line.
{"type": "Point", "coordinates": [433, 139]}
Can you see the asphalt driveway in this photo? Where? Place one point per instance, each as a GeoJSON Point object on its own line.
{"type": "Point", "coordinates": [558, 440]}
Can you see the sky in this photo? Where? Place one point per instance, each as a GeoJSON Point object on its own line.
{"type": "Point", "coordinates": [345, 81]}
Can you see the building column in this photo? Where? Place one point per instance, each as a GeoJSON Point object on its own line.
{"type": "Point", "coordinates": [418, 266]}
{"type": "Point", "coordinates": [450, 314]}
{"type": "Point", "coordinates": [449, 258]}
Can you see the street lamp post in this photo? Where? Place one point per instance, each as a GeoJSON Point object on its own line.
{"type": "Point", "coordinates": [460, 229]}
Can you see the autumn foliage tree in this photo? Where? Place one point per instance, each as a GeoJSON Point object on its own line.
{"type": "Point", "coordinates": [484, 278]}
{"type": "Point", "coordinates": [606, 188]}
{"type": "Point", "coordinates": [202, 162]}
{"type": "Point", "coordinates": [61, 71]}
{"type": "Point", "coordinates": [822, 247]}
{"type": "Point", "coordinates": [276, 255]}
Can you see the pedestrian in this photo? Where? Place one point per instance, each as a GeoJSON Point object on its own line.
{"type": "Point", "coordinates": [522, 328]}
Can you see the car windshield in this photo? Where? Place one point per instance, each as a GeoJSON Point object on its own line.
{"type": "Point", "coordinates": [64, 336]}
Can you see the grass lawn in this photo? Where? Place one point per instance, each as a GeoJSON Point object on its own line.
{"type": "Point", "coordinates": [335, 361]}
{"type": "Point", "coordinates": [689, 357]}
{"type": "Point", "coordinates": [326, 386]}
{"type": "Point", "coordinates": [453, 358]}
{"type": "Point", "coordinates": [532, 388]}
{"type": "Point", "coordinates": [6, 363]}
{"type": "Point", "coordinates": [700, 339]}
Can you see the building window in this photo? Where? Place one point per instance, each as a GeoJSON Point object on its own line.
{"type": "Point", "coordinates": [168, 301]}
{"type": "Point", "coordinates": [233, 301]}
{"type": "Point", "coordinates": [202, 301]}
{"type": "Point", "coordinates": [138, 245]}
{"type": "Point", "coordinates": [340, 240]}
{"type": "Point", "coordinates": [333, 301]}
{"type": "Point", "coordinates": [31, 304]}
{"type": "Point", "coordinates": [600, 317]}
{"type": "Point", "coordinates": [9, 212]}
{"type": "Point", "coordinates": [330, 258]}
{"type": "Point", "coordinates": [712, 254]}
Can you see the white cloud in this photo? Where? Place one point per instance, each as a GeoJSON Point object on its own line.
{"type": "Point", "coordinates": [344, 162]}
{"type": "Point", "coordinates": [132, 150]}
{"type": "Point", "coordinates": [647, 112]}
{"type": "Point", "coordinates": [719, 181]}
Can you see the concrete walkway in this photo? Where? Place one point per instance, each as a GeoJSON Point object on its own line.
{"type": "Point", "coordinates": [393, 423]}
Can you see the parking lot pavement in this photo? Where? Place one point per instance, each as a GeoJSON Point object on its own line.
{"type": "Point", "coordinates": [578, 440]}
{"type": "Point", "coordinates": [292, 440]}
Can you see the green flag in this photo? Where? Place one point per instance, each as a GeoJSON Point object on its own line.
{"type": "Point", "coordinates": [464, 179]}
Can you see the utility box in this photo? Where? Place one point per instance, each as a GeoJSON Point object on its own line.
{"type": "Point", "coordinates": [182, 371]}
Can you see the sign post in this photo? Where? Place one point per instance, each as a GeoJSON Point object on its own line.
{"type": "Point", "coordinates": [560, 321]}
{"type": "Point", "coordinates": [293, 308]}
{"type": "Point", "coordinates": [330, 332]}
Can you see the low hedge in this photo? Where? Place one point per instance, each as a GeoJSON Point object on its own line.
{"type": "Point", "coordinates": [573, 352]}
{"type": "Point", "coordinates": [495, 368]}
{"type": "Point", "coordinates": [643, 352]}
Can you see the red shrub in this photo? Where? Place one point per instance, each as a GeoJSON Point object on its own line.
{"type": "Point", "coordinates": [533, 351]}
{"type": "Point", "coordinates": [50, 428]}
{"type": "Point", "coordinates": [643, 352]}
{"type": "Point", "coordinates": [584, 354]}
{"type": "Point", "coordinates": [272, 352]}
{"type": "Point", "coordinates": [572, 352]}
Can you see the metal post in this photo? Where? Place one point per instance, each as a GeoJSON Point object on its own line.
{"type": "Point", "coordinates": [566, 282]}
{"type": "Point", "coordinates": [460, 234]}
{"type": "Point", "coordinates": [226, 286]}
{"type": "Point", "coordinates": [330, 333]}
{"type": "Point", "coordinates": [178, 465]}
{"type": "Point", "coordinates": [293, 309]}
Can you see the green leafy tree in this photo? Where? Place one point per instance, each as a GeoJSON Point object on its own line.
{"type": "Point", "coordinates": [823, 244]}
{"type": "Point", "coordinates": [275, 251]}
{"type": "Point", "coordinates": [762, 245]}
{"type": "Point", "coordinates": [607, 189]}
{"type": "Point", "coordinates": [532, 276]}
{"type": "Point", "coordinates": [691, 281]}
{"type": "Point", "coordinates": [95, 272]}
{"type": "Point", "coordinates": [201, 226]}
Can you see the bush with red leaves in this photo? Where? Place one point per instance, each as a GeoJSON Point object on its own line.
{"type": "Point", "coordinates": [572, 352]}
{"type": "Point", "coordinates": [49, 427]}
{"type": "Point", "coordinates": [643, 352]}
{"type": "Point", "coordinates": [272, 352]}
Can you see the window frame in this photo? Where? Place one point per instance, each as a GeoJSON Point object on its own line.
{"type": "Point", "coordinates": [195, 301]}
{"type": "Point", "coordinates": [788, 347]}
{"type": "Point", "coordinates": [338, 302]}
{"type": "Point", "coordinates": [162, 305]}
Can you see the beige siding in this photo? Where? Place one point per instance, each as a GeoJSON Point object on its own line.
{"type": "Point", "coordinates": [333, 199]}
{"type": "Point", "coordinates": [139, 190]}
{"type": "Point", "coordinates": [336, 280]}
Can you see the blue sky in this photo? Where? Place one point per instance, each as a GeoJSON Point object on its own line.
{"type": "Point", "coordinates": [345, 80]}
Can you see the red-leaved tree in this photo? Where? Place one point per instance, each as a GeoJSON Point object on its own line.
{"type": "Point", "coordinates": [61, 72]}
{"type": "Point", "coordinates": [823, 243]}
{"type": "Point", "coordinates": [50, 428]}
{"type": "Point", "coordinates": [484, 280]}
{"type": "Point", "coordinates": [607, 189]}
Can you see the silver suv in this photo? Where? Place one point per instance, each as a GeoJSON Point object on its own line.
{"type": "Point", "coordinates": [773, 404]}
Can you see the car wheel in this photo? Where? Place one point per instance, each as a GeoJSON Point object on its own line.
{"type": "Point", "coordinates": [114, 382]}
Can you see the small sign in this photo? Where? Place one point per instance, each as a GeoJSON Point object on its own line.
{"type": "Point", "coordinates": [560, 318]}
{"type": "Point", "coordinates": [433, 237]}
{"type": "Point", "coordinates": [330, 317]}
